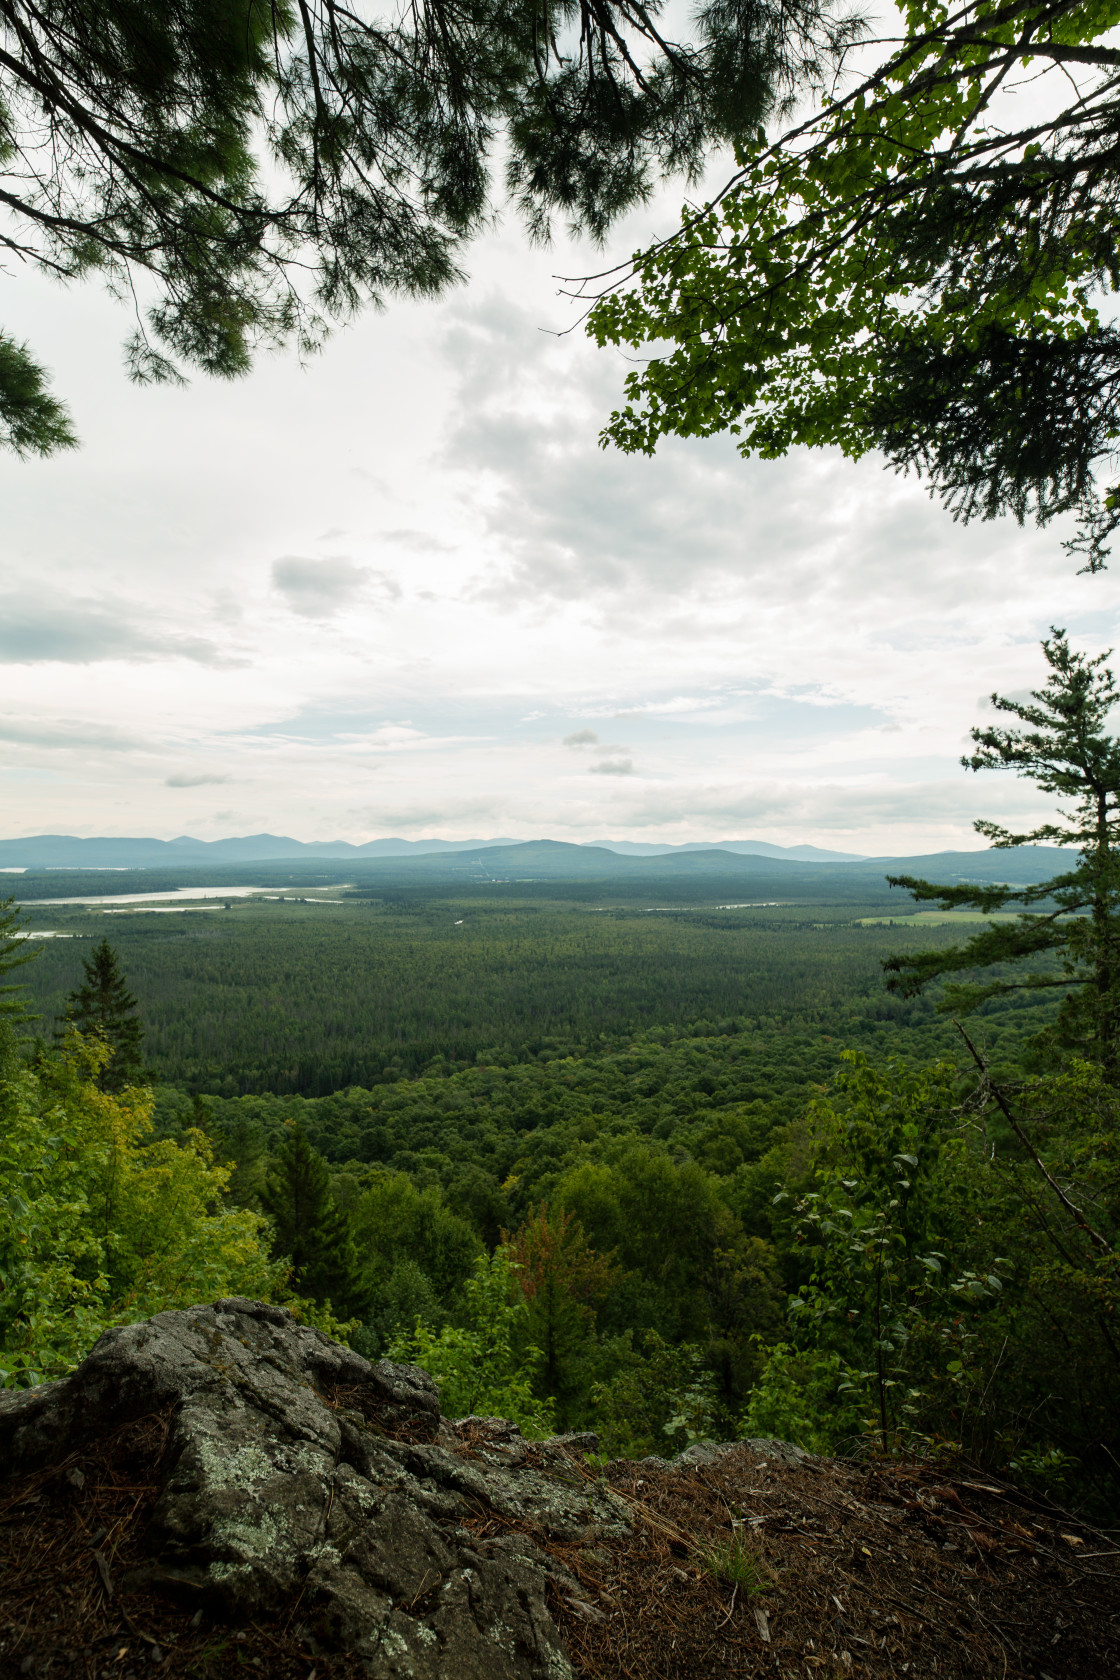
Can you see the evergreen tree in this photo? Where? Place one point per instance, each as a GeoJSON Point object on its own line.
{"type": "Point", "coordinates": [15, 950]}
{"type": "Point", "coordinates": [560, 1277]}
{"type": "Point", "coordinates": [312, 1231]}
{"type": "Point", "coordinates": [104, 1006]}
{"type": "Point", "coordinates": [1065, 751]}
{"type": "Point", "coordinates": [256, 170]}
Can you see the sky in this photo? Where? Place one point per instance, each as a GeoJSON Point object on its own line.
{"type": "Point", "coordinates": [400, 590]}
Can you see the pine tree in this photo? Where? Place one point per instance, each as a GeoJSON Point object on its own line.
{"type": "Point", "coordinates": [1075, 916]}
{"type": "Point", "coordinates": [105, 1008]}
{"type": "Point", "coordinates": [312, 1231]}
{"type": "Point", "coordinates": [256, 171]}
{"type": "Point", "coordinates": [15, 950]}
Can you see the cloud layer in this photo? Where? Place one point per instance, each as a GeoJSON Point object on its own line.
{"type": "Point", "coordinates": [403, 591]}
{"type": "Point", "coordinates": [88, 632]}
{"type": "Point", "coordinates": [323, 588]}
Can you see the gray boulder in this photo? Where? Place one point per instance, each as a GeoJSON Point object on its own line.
{"type": "Point", "coordinates": [298, 1471]}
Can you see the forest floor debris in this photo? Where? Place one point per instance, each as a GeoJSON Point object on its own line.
{"type": "Point", "coordinates": [740, 1562]}
{"type": "Point", "coordinates": [836, 1568]}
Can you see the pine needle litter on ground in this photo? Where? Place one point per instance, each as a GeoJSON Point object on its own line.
{"type": "Point", "coordinates": [749, 1564]}
{"type": "Point", "coordinates": [759, 1566]}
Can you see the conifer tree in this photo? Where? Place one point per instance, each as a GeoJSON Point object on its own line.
{"type": "Point", "coordinates": [312, 1231]}
{"type": "Point", "coordinates": [256, 170]}
{"type": "Point", "coordinates": [561, 1277]}
{"type": "Point", "coordinates": [105, 1007]}
{"type": "Point", "coordinates": [14, 952]}
{"type": "Point", "coordinates": [1075, 916]}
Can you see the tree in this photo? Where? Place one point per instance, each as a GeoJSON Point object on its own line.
{"type": "Point", "coordinates": [661, 1219]}
{"type": "Point", "coordinates": [105, 1008]}
{"type": "Point", "coordinates": [14, 952]}
{"type": "Point", "coordinates": [311, 1230]}
{"type": "Point", "coordinates": [482, 1368]}
{"type": "Point", "coordinates": [393, 1220]}
{"type": "Point", "coordinates": [956, 1296]}
{"type": "Point", "coordinates": [656, 1392]}
{"type": "Point", "coordinates": [912, 270]}
{"type": "Point", "coordinates": [882, 1308]}
{"type": "Point", "coordinates": [561, 1278]}
{"type": "Point", "coordinates": [246, 172]}
{"type": "Point", "coordinates": [1065, 751]}
{"type": "Point", "coordinates": [100, 1222]}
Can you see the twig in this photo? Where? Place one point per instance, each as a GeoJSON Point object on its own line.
{"type": "Point", "coordinates": [103, 1571]}
{"type": "Point", "coordinates": [256, 1626]}
{"type": "Point", "coordinates": [1102, 1242]}
{"type": "Point", "coordinates": [652, 1519]}
{"type": "Point", "coordinates": [418, 1594]}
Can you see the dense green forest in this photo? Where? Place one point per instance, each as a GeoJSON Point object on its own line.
{"type": "Point", "coordinates": [289, 997]}
{"type": "Point", "coordinates": [647, 1163]}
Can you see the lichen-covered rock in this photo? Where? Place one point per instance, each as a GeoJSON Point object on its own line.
{"type": "Point", "coordinates": [297, 1470]}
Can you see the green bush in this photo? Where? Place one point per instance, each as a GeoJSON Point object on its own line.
{"type": "Point", "coordinates": [479, 1367]}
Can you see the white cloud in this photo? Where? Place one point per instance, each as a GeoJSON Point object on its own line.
{"type": "Point", "coordinates": [65, 734]}
{"type": "Point", "coordinates": [419, 542]}
{"type": "Point", "coordinates": [469, 592]}
{"type": "Point", "coordinates": [683, 705]}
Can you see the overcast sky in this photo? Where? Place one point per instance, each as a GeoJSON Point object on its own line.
{"type": "Point", "coordinates": [401, 591]}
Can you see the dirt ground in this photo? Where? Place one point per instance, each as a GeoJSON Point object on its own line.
{"type": "Point", "coordinates": [748, 1565]}
{"type": "Point", "coordinates": [753, 1567]}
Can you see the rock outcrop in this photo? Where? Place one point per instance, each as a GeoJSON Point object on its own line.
{"type": "Point", "coordinates": [223, 1492]}
{"type": "Point", "coordinates": [296, 1470]}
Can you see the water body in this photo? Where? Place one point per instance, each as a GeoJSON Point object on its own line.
{"type": "Point", "coordinates": [151, 897]}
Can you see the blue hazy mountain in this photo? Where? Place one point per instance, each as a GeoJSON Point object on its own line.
{"type": "Point", "coordinates": [751, 848]}
{"type": "Point", "coordinates": [526, 860]}
{"type": "Point", "coordinates": [68, 851]}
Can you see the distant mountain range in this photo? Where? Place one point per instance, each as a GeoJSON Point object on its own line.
{"type": "Point", "coordinates": [68, 851]}
{"type": "Point", "coordinates": [537, 860]}
{"type": "Point", "coordinates": [522, 860]}
{"type": "Point", "coordinates": [748, 848]}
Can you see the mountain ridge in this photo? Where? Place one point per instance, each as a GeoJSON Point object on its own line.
{"type": "Point", "coordinates": [71, 851]}
{"type": "Point", "coordinates": [536, 860]}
